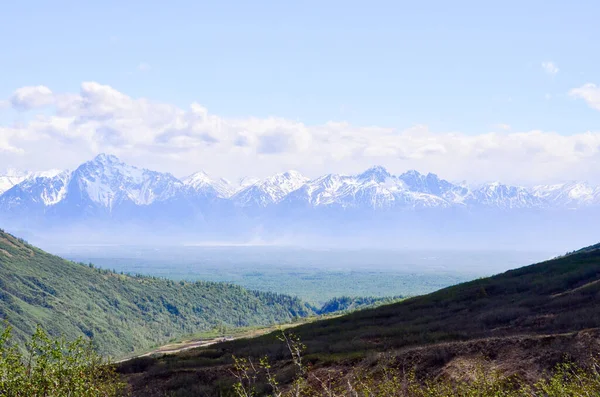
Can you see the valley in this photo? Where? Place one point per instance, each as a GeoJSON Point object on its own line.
{"type": "Point", "coordinates": [315, 276]}
{"type": "Point", "coordinates": [522, 322]}
{"type": "Point", "coordinates": [180, 337]}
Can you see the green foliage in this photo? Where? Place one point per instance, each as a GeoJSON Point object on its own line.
{"type": "Point", "coordinates": [312, 283]}
{"type": "Point", "coordinates": [54, 368]}
{"type": "Point", "coordinates": [348, 304]}
{"type": "Point", "coordinates": [122, 313]}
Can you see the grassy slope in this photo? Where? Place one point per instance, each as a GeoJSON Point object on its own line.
{"type": "Point", "coordinates": [555, 297]}
{"type": "Point", "coordinates": [122, 313]}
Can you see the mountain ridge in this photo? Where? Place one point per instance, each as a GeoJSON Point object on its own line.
{"type": "Point", "coordinates": [274, 189]}
{"type": "Point", "coordinates": [108, 197]}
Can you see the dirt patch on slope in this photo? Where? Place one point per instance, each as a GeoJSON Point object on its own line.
{"type": "Point", "coordinates": [526, 356]}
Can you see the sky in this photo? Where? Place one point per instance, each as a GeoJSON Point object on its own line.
{"type": "Point", "coordinates": [469, 90]}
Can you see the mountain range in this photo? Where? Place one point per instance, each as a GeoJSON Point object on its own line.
{"type": "Point", "coordinates": [105, 195]}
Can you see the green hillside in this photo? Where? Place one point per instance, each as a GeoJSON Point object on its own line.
{"type": "Point", "coordinates": [348, 303]}
{"type": "Point", "coordinates": [524, 320]}
{"type": "Point", "coordinates": [122, 313]}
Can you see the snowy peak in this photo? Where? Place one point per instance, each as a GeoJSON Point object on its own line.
{"type": "Point", "coordinates": [572, 194]}
{"type": "Point", "coordinates": [247, 181]}
{"type": "Point", "coordinates": [106, 181]}
{"type": "Point", "coordinates": [11, 178]}
{"type": "Point", "coordinates": [203, 184]}
{"type": "Point", "coordinates": [375, 188]}
{"type": "Point", "coordinates": [107, 159]}
{"type": "Point", "coordinates": [430, 183]}
{"type": "Point", "coordinates": [376, 173]}
{"type": "Point", "coordinates": [325, 190]}
{"type": "Point", "coordinates": [270, 190]}
{"type": "Point", "coordinates": [38, 189]}
{"type": "Point", "coordinates": [499, 195]}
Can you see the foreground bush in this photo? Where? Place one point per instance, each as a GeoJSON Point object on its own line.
{"type": "Point", "coordinates": [54, 368]}
{"type": "Point", "coordinates": [258, 379]}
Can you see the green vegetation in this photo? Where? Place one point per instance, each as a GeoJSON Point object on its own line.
{"type": "Point", "coordinates": [313, 276]}
{"type": "Point", "coordinates": [54, 368]}
{"type": "Point", "coordinates": [526, 319]}
{"type": "Point", "coordinates": [122, 313]}
{"type": "Point", "coordinates": [348, 304]}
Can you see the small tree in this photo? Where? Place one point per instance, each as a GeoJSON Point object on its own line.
{"type": "Point", "coordinates": [54, 368]}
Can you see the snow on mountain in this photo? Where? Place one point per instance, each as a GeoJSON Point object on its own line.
{"type": "Point", "coordinates": [270, 190]}
{"type": "Point", "coordinates": [246, 181]}
{"type": "Point", "coordinates": [107, 181]}
{"type": "Point", "coordinates": [498, 195]}
{"type": "Point", "coordinates": [201, 183]}
{"type": "Point", "coordinates": [324, 190]}
{"type": "Point", "coordinates": [374, 188]}
{"type": "Point", "coordinates": [433, 185]}
{"type": "Point", "coordinates": [11, 178]}
{"type": "Point", "coordinates": [377, 188]}
{"type": "Point", "coordinates": [107, 196]}
{"type": "Point", "coordinates": [569, 195]}
{"type": "Point", "coordinates": [37, 189]}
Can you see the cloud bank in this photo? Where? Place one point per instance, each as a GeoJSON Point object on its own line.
{"type": "Point", "coordinates": [64, 129]}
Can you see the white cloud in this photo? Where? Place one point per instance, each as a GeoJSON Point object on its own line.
{"type": "Point", "coordinates": [588, 92]}
{"type": "Point", "coordinates": [27, 98]}
{"type": "Point", "coordinates": [165, 137]}
{"type": "Point", "coordinates": [550, 68]}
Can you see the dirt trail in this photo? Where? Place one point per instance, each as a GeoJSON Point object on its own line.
{"type": "Point", "coordinates": [179, 347]}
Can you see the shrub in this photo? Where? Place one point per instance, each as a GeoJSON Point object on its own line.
{"type": "Point", "coordinates": [566, 380]}
{"type": "Point", "coordinates": [54, 368]}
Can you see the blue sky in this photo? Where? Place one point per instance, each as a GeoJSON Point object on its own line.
{"type": "Point", "coordinates": [468, 67]}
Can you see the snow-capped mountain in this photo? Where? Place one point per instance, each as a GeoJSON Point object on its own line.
{"type": "Point", "coordinates": [431, 184]}
{"type": "Point", "coordinates": [203, 185]}
{"type": "Point", "coordinates": [571, 195]}
{"type": "Point", "coordinates": [105, 191]}
{"type": "Point", "coordinates": [11, 178]}
{"type": "Point", "coordinates": [107, 182]}
{"type": "Point", "coordinates": [36, 191]}
{"type": "Point", "coordinates": [246, 181]}
{"type": "Point", "coordinates": [375, 188]}
{"type": "Point", "coordinates": [502, 196]}
{"type": "Point", "coordinates": [270, 190]}
{"type": "Point", "coordinates": [100, 184]}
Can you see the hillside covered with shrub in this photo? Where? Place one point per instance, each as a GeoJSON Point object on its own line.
{"type": "Point", "coordinates": [522, 322]}
{"type": "Point", "coordinates": [122, 313]}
